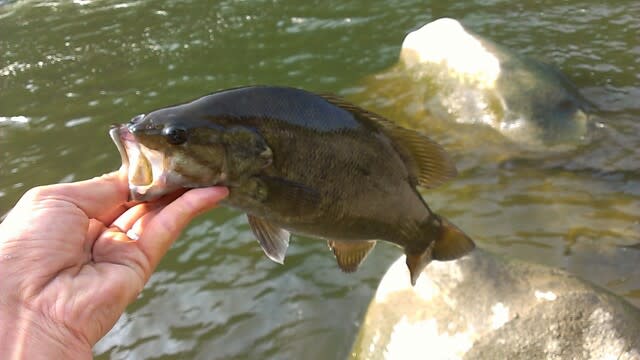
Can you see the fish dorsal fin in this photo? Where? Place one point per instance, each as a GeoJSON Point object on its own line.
{"type": "Point", "coordinates": [429, 162]}
{"type": "Point", "coordinates": [350, 254]}
{"type": "Point", "coordinates": [273, 240]}
{"type": "Point", "coordinates": [452, 242]}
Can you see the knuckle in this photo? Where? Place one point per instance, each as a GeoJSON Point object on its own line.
{"type": "Point", "coordinates": [46, 192]}
{"type": "Point", "coordinates": [39, 192]}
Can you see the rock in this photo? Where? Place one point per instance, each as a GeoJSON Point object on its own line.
{"type": "Point", "coordinates": [486, 307]}
{"type": "Point", "coordinates": [460, 76]}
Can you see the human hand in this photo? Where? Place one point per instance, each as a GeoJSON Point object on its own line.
{"type": "Point", "coordinates": [68, 269]}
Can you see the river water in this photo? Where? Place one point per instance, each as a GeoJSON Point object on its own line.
{"type": "Point", "coordinates": [69, 69]}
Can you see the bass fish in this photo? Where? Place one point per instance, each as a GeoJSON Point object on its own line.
{"type": "Point", "coordinates": [299, 162]}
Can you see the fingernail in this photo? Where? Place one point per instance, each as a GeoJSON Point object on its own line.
{"type": "Point", "coordinates": [131, 234]}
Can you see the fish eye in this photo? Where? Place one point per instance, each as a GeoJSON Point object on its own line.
{"type": "Point", "coordinates": [175, 135]}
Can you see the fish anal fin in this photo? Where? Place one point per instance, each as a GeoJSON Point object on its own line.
{"type": "Point", "coordinates": [452, 242]}
{"type": "Point", "coordinates": [273, 240]}
{"type": "Point", "coordinates": [429, 162]}
{"type": "Point", "coordinates": [350, 254]}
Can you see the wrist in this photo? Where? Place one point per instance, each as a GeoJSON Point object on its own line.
{"type": "Point", "coordinates": [24, 336]}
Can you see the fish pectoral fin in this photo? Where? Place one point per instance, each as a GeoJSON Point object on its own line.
{"type": "Point", "coordinates": [350, 254]}
{"type": "Point", "coordinates": [289, 198]}
{"type": "Point", "coordinates": [452, 242]}
{"type": "Point", "coordinates": [273, 240]}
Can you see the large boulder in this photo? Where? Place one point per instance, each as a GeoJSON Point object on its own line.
{"type": "Point", "coordinates": [486, 307]}
{"type": "Point", "coordinates": [459, 76]}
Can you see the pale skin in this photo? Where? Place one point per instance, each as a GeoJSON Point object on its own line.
{"type": "Point", "coordinates": [68, 269]}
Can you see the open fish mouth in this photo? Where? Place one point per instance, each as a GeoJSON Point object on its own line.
{"type": "Point", "coordinates": [146, 170]}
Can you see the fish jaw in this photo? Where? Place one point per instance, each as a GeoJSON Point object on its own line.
{"type": "Point", "coordinates": [146, 168]}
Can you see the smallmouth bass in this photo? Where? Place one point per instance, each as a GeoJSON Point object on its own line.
{"type": "Point", "coordinates": [299, 162]}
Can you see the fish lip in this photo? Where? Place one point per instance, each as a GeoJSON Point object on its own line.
{"type": "Point", "coordinates": [134, 154]}
{"type": "Point", "coordinates": [114, 133]}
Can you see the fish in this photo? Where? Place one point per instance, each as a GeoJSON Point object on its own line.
{"type": "Point", "coordinates": [299, 162]}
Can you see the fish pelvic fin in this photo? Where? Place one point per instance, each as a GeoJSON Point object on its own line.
{"type": "Point", "coordinates": [445, 242]}
{"type": "Point", "coordinates": [350, 254]}
{"type": "Point", "coordinates": [273, 240]}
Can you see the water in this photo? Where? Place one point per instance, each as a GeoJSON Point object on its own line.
{"type": "Point", "coordinates": [69, 69]}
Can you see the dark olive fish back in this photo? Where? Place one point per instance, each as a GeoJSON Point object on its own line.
{"type": "Point", "coordinates": [289, 105]}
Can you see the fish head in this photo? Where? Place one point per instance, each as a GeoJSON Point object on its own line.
{"type": "Point", "coordinates": [169, 149]}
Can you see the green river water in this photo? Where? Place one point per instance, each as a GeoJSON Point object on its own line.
{"type": "Point", "coordinates": [69, 69]}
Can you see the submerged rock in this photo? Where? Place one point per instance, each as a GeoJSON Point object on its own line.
{"type": "Point", "coordinates": [486, 307]}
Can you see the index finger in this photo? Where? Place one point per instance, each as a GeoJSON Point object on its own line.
{"type": "Point", "coordinates": [158, 232]}
{"type": "Point", "coordinates": [103, 198]}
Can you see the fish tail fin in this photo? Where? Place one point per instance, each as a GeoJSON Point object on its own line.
{"type": "Point", "coordinates": [444, 242]}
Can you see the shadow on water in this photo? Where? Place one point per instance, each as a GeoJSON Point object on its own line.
{"type": "Point", "coordinates": [71, 68]}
